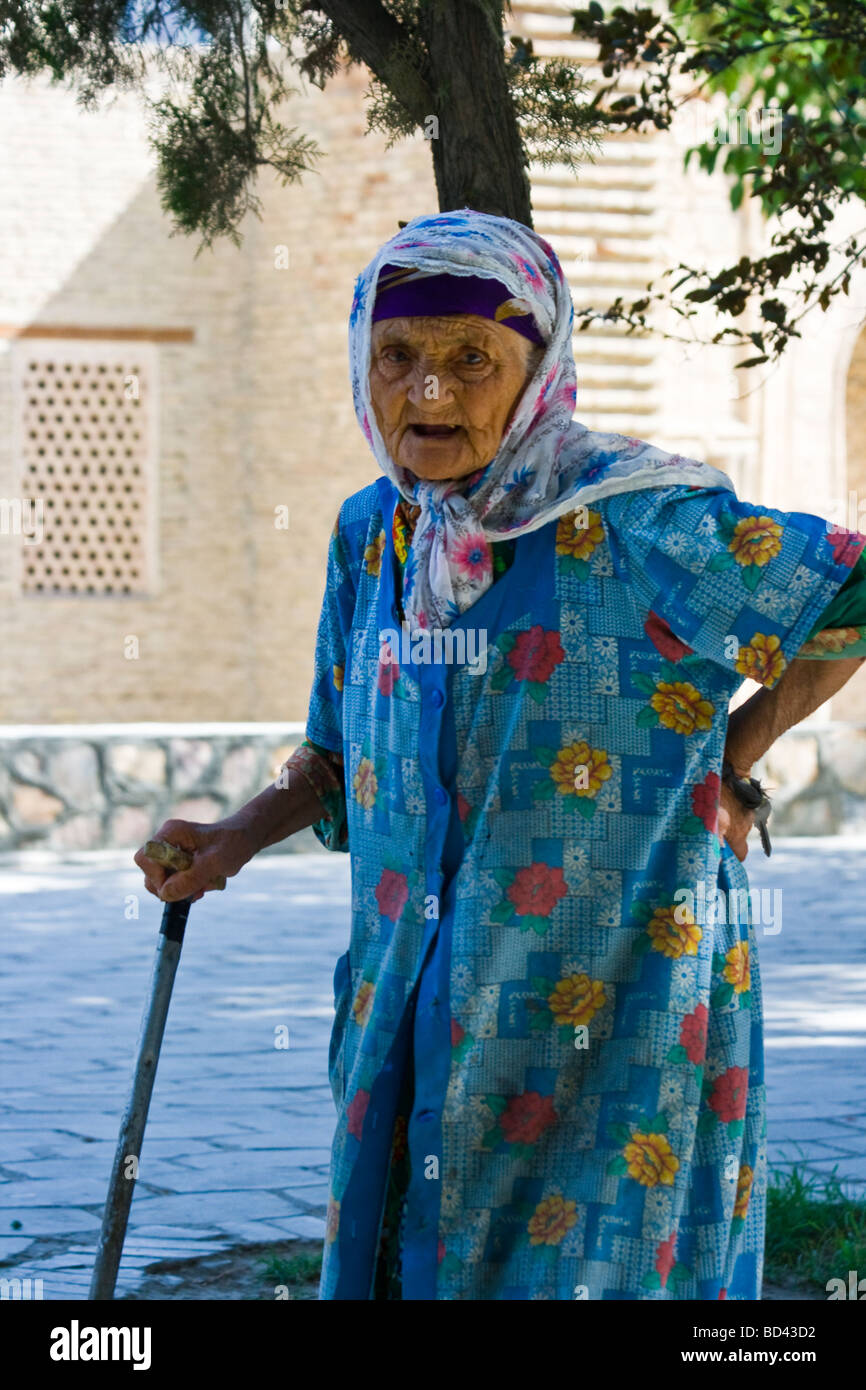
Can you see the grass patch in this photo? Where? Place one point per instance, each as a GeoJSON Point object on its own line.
{"type": "Point", "coordinates": [814, 1231]}
{"type": "Point", "coordinates": [296, 1270]}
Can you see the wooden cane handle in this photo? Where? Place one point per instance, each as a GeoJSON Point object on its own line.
{"type": "Point", "coordinates": [175, 859]}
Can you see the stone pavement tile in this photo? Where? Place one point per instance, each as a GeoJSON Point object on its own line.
{"type": "Point", "coordinates": [313, 1196]}
{"type": "Point", "coordinates": [56, 1193]}
{"type": "Point", "coordinates": [217, 1207]}
{"type": "Point", "coordinates": [49, 1221]}
{"type": "Point", "coordinates": [303, 1227]}
{"type": "Point", "coordinates": [794, 1152]}
{"type": "Point", "coordinates": [154, 1230]}
{"type": "Point", "coordinates": [13, 1245]}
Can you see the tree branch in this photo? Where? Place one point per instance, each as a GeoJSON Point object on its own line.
{"type": "Point", "coordinates": [377, 39]}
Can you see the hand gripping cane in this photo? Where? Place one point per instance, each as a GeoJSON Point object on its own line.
{"type": "Point", "coordinates": [122, 1184]}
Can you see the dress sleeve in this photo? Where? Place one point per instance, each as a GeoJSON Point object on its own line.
{"type": "Point", "coordinates": [324, 730]}
{"type": "Point", "coordinates": [841, 630]}
{"type": "Point", "coordinates": [738, 583]}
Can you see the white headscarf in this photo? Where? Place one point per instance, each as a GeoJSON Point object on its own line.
{"type": "Point", "coordinates": [547, 462]}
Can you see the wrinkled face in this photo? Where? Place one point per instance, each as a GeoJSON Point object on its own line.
{"type": "Point", "coordinates": [444, 389]}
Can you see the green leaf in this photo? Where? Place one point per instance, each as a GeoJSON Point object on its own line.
{"type": "Point", "coordinates": [722, 996]}
{"type": "Point", "coordinates": [707, 1122]}
{"type": "Point", "coordinates": [532, 922]}
{"type": "Point", "coordinates": [542, 984]}
{"type": "Point", "coordinates": [545, 755]}
{"type": "Point", "coordinates": [502, 913]}
{"type": "Point", "coordinates": [543, 790]}
{"type": "Point", "coordinates": [492, 1139]}
{"type": "Point", "coordinates": [502, 678]}
{"type": "Point", "coordinates": [752, 577]}
{"type": "Point", "coordinates": [585, 806]}
{"type": "Point", "coordinates": [677, 1054]}
{"type": "Point", "coordinates": [652, 1280]}
{"type": "Point", "coordinates": [643, 682]}
{"type": "Point", "coordinates": [642, 945]}
{"type": "Point", "coordinates": [647, 719]}
{"type": "Point", "coordinates": [496, 1103]}
{"type": "Point", "coordinates": [746, 999]}
{"type": "Point", "coordinates": [692, 825]}
{"type": "Point", "coordinates": [699, 1075]}
{"type": "Point", "coordinates": [735, 1128]}
{"type": "Point", "coordinates": [504, 877]}
{"type": "Point", "coordinates": [658, 1124]}
{"type": "Point", "coordinates": [619, 1132]}
{"type": "Point", "coordinates": [669, 671]}
{"type": "Point", "coordinates": [719, 962]}
{"type": "Point", "coordinates": [642, 910]}
{"type": "Point", "coordinates": [540, 1021]}
{"type": "Point", "coordinates": [720, 562]}
{"type": "Point", "coordinates": [522, 1152]}
{"type": "Point", "coordinates": [506, 642]}
{"type": "Point", "coordinates": [680, 1271]}
{"type": "Point", "coordinates": [538, 691]}
{"type": "Point", "coordinates": [617, 1168]}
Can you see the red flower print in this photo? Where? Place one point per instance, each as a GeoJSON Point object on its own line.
{"type": "Point", "coordinates": [463, 807]}
{"type": "Point", "coordinates": [665, 1257]}
{"type": "Point", "coordinates": [526, 1117]}
{"type": "Point", "coordinates": [535, 653]}
{"type": "Point", "coordinates": [536, 890]}
{"type": "Point", "coordinates": [457, 1033]}
{"type": "Point", "coordinates": [473, 556]}
{"type": "Point", "coordinates": [392, 893]}
{"type": "Point", "coordinates": [389, 671]}
{"type": "Point", "coordinates": [355, 1112]}
{"type": "Point", "coordinates": [693, 1034]}
{"type": "Point", "coordinates": [663, 639]}
{"type": "Point", "coordinates": [730, 1093]}
{"type": "Point", "coordinates": [723, 1293]}
{"type": "Point", "coordinates": [440, 1252]}
{"type": "Point", "coordinates": [846, 545]}
{"type": "Point", "coordinates": [705, 800]}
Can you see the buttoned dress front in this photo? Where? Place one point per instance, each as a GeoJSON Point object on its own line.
{"type": "Point", "coordinates": [539, 951]}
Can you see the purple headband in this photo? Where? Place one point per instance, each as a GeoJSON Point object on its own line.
{"type": "Point", "coordinates": [403, 291]}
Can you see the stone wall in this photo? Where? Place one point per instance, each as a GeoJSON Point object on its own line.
{"type": "Point", "coordinates": [110, 786]}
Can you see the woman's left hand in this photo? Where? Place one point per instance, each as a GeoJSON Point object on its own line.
{"type": "Point", "coordinates": [735, 822]}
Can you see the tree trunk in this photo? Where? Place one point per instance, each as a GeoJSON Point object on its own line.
{"type": "Point", "coordinates": [478, 156]}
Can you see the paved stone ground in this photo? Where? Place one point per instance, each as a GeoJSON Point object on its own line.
{"type": "Point", "coordinates": [236, 1150]}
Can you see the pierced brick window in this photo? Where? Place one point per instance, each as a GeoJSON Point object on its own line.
{"type": "Point", "coordinates": [85, 428]}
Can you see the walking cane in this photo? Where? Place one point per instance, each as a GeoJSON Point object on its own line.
{"type": "Point", "coordinates": [123, 1174]}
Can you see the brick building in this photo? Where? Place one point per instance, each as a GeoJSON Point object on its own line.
{"type": "Point", "coordinates": [168, 410]}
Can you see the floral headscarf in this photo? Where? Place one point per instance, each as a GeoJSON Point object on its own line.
{"type": "Point", "coordinates": [547, 463]}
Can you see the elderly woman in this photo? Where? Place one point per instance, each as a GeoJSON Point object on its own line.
{"type": "Point", "coordinates": [547, 1051]}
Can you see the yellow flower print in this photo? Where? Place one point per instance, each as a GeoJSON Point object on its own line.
{"type": "Point", "coordinates": [551, 1220]}
{"type": "Point", "coordinates": [673, 938]}
{"type": "Point", "coordinates": [577, 999]}
{"type": "Point", "coordinates": [756, 540]}
{"type": "Point", "coordinates": [574, 539]}
{"type": "Point", "coordinates": [681, 707]}
{"type": "Point", "coordinates": [577, 756]}
{"type": "Point", "coordinates": [762, 659]}
{"type": "Point", "coordinates": [338, 678]}
{"type": "Point", "coordinates": [363, 1002]}
{"type": "Point", "coordinates": [737, 972]}
{"type": "Point", "coordinates": [373, 554]}
{"type": "Point", "coordinates": [744, 1191]}
{"type": "Point", "coordinates": [366, 784]}
{"type": "Point", "coordinates": [831, 639]}
{"type": "Point", "coordinates": [332, 1222]}
{"type": "Point", "coordinates": [651, 1160]}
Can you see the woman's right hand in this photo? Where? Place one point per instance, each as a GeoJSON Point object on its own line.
{"type": "Point", "coordinates": [219, 848]}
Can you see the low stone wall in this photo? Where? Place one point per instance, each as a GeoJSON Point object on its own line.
{"type": "Point", "coordinates": [816, 778]}
{"type": "Point", "coordinates": [109, 786]}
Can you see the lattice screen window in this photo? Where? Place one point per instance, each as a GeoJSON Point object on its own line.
{"type": "Point", "coordinates": [85, 430]}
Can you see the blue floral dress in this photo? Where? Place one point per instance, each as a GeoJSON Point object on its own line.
{"type": "Point", "coordinates": [548, 1037]}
